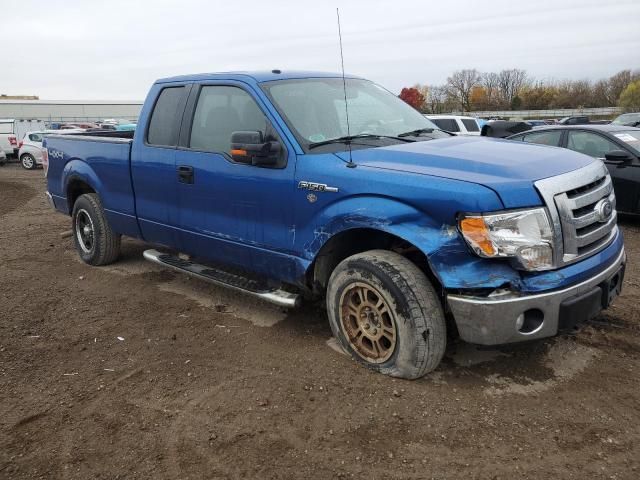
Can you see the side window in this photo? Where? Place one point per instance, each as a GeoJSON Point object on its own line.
{"type": "Point", "coordinates": [447, 124]}
{"type": "Point", "coordinates": [166, 117]}
{"type": "Point", "coordinates": [220, 111]}
{"type": "Point", "coordinates": [35, 137]}
{"type": "Point", "coordinates": [551, 138]}
{"type": "Point", "coordinates": [590, 144]}
{"type": "Point", "coordinates": [470, 125]}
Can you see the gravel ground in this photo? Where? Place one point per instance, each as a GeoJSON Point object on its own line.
{"type": "Point", "coordinates": [132, 371]}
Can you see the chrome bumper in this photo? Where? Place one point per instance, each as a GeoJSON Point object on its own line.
{"type": "Point", "coordinates": [494, 320]}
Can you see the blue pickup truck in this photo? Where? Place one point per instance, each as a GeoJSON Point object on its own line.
{"type": "Point", "coordinates": [266, 183]}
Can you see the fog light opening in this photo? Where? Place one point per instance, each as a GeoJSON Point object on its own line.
{"type": "Point", "coordinates": [530, 321]}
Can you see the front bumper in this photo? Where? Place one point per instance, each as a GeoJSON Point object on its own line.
{"type": "Point", "coordinates": [512, 317]}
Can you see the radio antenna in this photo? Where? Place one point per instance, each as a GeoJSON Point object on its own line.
{"type": "Point", "coordinates": [350, 163]}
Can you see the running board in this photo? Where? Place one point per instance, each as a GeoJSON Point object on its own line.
{"type": "Point", "coordinates": [252, 286]}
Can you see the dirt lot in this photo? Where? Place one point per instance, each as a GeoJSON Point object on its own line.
{"type": "Point", "coordinates": [132, 371]}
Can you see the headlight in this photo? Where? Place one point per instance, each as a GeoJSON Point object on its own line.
{"type": "Point", "coordinates": [524, 235]}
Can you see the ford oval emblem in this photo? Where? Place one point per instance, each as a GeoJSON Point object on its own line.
{"type": "Point", "coordinates": [603, 210]}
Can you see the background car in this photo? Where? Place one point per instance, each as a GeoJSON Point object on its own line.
{"type": "Point", "coordinates": [8, 140]}
{"type": "Point", "coordinates": [30, 153]}
{"type": "Point", "coordinates": [627, 119]}
{"type": "Point", "coordinates": [455, 124]}
{"type": "Point", "coordinates": [3, 158]}
{"type": "Point", "coordinates": [618, 146]}
{"type": "Point", "coordinates": [536, 123]}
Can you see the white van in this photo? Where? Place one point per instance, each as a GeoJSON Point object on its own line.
{"type": "Point", "coordinates": [455, 124]}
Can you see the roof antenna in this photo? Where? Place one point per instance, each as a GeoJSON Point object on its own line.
{"type": "Point", "coordinates": [350, 163]}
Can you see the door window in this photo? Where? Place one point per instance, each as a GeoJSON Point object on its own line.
{"type": "Point", "coordinates": [446, 124]}
{"type": "Point", "coordinates": [551, 138]}
{"type": "Point", "coordinates": [222, 110]}
{"type": "Point", "coordinates": [35, 137]}
{"type": "Point", "coordinates": [590, 144]}
{"type": "Point", "coordinates": [470, 125]}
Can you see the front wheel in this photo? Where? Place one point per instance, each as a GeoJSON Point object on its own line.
{"type": "Point", "coordinates": [96, 243]}
{"type": "Point", "coordinates": [386, 314]}
{"type": "Point", "coordinates": [28, 161]}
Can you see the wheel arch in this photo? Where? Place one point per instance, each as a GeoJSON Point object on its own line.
{"type": "Point", "coordinates": [79, 178]}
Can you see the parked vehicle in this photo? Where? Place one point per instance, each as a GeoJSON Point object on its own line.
{"type": "Point", "coordinates": [8, 141]}
{"type": "Point", "coordinates": [578, 120]}
{"type": "Point", "coordinates": [617, 146]}
{"type": "Point", "coordinates": [627, 119]}
{"type": "Point", "coordinates": [409, 233]}
{"type": "Point", "coordinates": [536, 123]}
{"type": "Point", "coordinates": [456, 124]}
{"type": "Point", "coordinates": [31, 151]}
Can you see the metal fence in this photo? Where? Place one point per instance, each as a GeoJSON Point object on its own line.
{"type": "Point", "coordinates": [564, 112]}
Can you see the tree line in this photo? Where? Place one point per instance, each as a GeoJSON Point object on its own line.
{"type": "Point", "coordinates": [513, 89]}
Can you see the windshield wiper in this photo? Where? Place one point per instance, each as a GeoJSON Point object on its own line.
{"type": "Point", "coordinates": [349, 138]}
{"type": "Point", "coordinates": [414, 133]}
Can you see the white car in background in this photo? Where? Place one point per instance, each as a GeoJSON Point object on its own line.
{"type": "Point", "coordinates": [30, 153]}
{"type": "Point", "coordinates": [8, 141]}
{"type": "Point", "coordinates": [456, 124]}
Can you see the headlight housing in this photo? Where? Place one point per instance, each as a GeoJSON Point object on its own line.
{"type": "Point", "coordinates": [524, 235]}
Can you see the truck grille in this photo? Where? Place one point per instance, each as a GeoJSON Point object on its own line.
{"type": "Point", "coordinates": [582, 208]}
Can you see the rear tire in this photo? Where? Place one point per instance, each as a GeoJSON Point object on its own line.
{"type": "Point", "coordinates": [384, 311]}
{"type": "Point", "coordinates": [28, 161]}
{"type": "Point", "coordinates": [96, 242]}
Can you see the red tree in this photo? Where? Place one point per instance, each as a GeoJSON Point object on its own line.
{"type": "Point", "coordinates": [413, 97]}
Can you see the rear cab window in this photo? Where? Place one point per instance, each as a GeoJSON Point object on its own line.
{"type": "Point", "coordinates": [164, 125]}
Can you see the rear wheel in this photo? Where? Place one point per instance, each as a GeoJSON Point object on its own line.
{"type": "Point", "coordinates": [96, 243]}
{"type": "Point", "coordinates": [386, 314]}
{"type": "Point", "coordinates": [28, 161]}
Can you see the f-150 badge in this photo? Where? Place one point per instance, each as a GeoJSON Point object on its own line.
{"type": "Point", "coordinates": [316, 187]}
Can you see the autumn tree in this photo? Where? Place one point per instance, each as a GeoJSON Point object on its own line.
{"type": "Point", "coordinates": [413, 97]}
{"type": "Point", "coordinates": [461, 83]}
{"type": "Point", "coordinates": [510, 82]}
{"type": "Point", "coordinates": [630, 97]}
{"type": "Point", "coordinates": [479, 100]}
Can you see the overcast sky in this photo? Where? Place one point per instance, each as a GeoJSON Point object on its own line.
{"type": "Point", "coordinates": [79, 49]}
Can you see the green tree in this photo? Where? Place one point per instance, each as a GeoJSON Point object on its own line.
{"type": "Point", "coordinates": [630, 97]}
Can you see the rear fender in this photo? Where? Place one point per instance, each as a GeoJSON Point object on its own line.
{"type": "Point", "coordinates": [77, 169]}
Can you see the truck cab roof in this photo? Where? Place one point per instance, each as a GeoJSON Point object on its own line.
{"type": "Point", "coordinates": [256, 76]}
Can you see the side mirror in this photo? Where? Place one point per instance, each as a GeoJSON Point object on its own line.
{"type": "Point", "coordinates": [618, 156]}
{"type": "Point", "coordinates": [251, 148]}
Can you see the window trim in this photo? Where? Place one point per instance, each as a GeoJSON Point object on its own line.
{"type": "Point", "coordinates": [182, 104]}
{"type": "Point", "coordinates": [190, 112]}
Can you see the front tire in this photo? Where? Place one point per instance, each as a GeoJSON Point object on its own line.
{"type": "Point", "coordinates": [96, 242]}
{"type": "Point", "coordinates": [386, 314]}
{"type": "Point", "coordinates": [28, 161]}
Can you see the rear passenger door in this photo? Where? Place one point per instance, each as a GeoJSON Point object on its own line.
{"type": "Point", "coordinates": [153, 164]}
{"type": "Point", "coordinates": [233, 212]}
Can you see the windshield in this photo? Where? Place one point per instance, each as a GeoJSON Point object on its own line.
{"type": "Point", "coordinates": [314, 110]}
{"type": "Point", "coordinates": [630, 137]}
{"type": "Point", "coordinates": [627, 118]}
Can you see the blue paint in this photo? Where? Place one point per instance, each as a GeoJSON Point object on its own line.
{"type": "Point", "coordinates": [258, 219]}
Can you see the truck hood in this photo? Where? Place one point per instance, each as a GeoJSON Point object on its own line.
{"type": "Point", "coordinates": [507, 167]}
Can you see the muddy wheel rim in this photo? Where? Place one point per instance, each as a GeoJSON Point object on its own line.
{"type": "Point", "coordinates": [368, 323]}
{"type": "Point", "coordinates": [84, 231]}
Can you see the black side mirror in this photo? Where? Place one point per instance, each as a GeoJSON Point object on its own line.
{"type": "Point", "coordinates": [618, 156]}
{"type": "Point", "coordinates": [250, 147]}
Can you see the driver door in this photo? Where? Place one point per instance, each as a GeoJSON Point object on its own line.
{"type": "Point", "coordinates": [232, 212]}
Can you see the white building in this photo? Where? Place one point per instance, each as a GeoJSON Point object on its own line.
{"type": "Point", "coordinates": [68, 110]}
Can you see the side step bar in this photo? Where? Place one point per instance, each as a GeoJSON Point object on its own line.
{"type": "Point", "coordinates": [256, 287]}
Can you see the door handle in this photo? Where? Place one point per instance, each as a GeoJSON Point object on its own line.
{"type": "Point", "coordinates": [185, 174]}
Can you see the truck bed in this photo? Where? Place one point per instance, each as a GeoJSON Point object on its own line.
{"type": "Point", "coordinates": [103, 158]}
